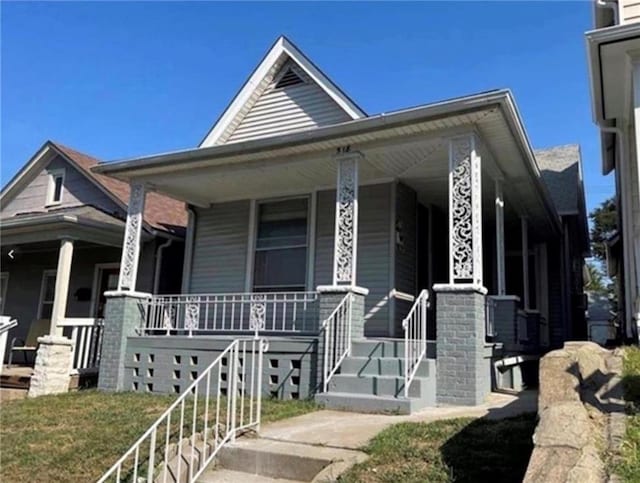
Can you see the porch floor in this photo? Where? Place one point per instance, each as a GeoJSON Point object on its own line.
{"type": "Point", "coordinates": [16, 377]}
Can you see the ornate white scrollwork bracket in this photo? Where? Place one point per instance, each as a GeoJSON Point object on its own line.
{"type": "Point", "coordinates": [131, 243]}
{"type": "Point", "coordinates": [465, 211]}
{"type": "Point", "coordinates": [257, 313]}
{"type": "Point", "coordinates": [346, 229]}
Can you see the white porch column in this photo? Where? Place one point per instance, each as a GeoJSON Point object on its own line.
{"type": "Point", "coordinates": [63, 274]}
{"type": "Point", "coordinates": [633, 277]}
{"type": "Point", "coordinates": [131, 243]}
{"type": "Point", "coordinates": [465, 211]}
{"type": "Point", "coordinates": [346, 230]}
{"type": "Point", "coordinates": [524, 225]}
{"type": "Point", "coordinates": [500, 237]}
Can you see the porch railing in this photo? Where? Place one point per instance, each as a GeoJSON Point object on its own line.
{"type": "Point", "coordinates": [6, 324]}
{"type": "Point", "coordinates": [337, 338]}
{"type": "Point", "coordinates": [221, 403]}
{"type": "Point", "coordinates": [232, 312]}
{"type": "Point", "coordinates": [415, 338]}
{"type": "Point", "coordinates": [86, 335]}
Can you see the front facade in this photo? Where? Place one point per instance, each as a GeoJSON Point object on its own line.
{"type": "Point", "coordinates": [62, 234]}
{"type": "Point", "coordinates": [428, 236]}
{"type": "Point", "coordinates": [614, 69]}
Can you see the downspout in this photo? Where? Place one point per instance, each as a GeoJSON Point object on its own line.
{"type": "Point", "coordinates": [156, 277]}
{"type": "Point", "coordinates": [188, 249]}
{"type": "Point", "coordinates": [613, 6]}
{"type": "Point", "coordinates": [631, 310]}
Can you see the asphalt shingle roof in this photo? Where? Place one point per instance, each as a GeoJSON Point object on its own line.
{"type": "Point", "coordinates": [560, 169]}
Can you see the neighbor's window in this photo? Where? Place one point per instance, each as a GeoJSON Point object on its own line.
{"type": "Point", "coordinates": [281, 246]}
{"type": "Point", "coordinates": [47, 294]}
{"type": "Point", "coordinates": [54, 192]}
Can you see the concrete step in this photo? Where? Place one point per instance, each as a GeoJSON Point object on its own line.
{"type": "Point", "coordinates": [230, 476]}
{"type": "Point", "coordinates": [362, 403]}
{"type": "Point", "coordinates": [385, 348]}
{"type": "Point", "coordinates": [381, 385]}
{"type": "Point", "coordinates": [381, 366]}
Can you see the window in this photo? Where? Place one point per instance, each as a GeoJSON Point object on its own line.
{"type": "Point", "coordinates": [56, 182]}
{"type": "Point", "coordinates": [47, 294]}
{"type": "Point", "coordinates": [280, 262]}
{"type": "Point", "coordinates": [4, 280]}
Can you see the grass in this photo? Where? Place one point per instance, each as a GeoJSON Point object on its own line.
{"type": "Point", "coordinates": [78, 436]}
{"type": "Point", "coordinates": [460, 450]}
{"type": "Point", "coordinates": [627, 466]}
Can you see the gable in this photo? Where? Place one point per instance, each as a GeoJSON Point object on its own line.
{"type": "Point", "coordinates": [77, 190]}
{"type": "Point", "coordinates": [285, 93]}
{"type": "Point", "coordinates": [291, 102]}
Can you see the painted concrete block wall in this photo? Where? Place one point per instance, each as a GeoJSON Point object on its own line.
{"type": "Point", "coordinates": [169, 364]}
{"type": "Point", "coordinates": [77, 190]}
{"type": "Point", "coordinates": [463, 358]}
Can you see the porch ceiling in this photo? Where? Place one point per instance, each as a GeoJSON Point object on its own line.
{"type": "Point", "coordinates": [410, 146]}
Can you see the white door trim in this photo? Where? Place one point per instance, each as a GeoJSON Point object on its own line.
{"type": "Point", "coordinates": [97, 272]}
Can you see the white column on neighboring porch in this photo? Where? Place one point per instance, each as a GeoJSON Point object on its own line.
{"type": "Point", "coordinates": [500, 237]}
{"type": "Point", "coordinates": [634, 247]}
{"type": "Point", "coordinates": [63, 274]}
{"type": "Point", "coordinates": [132, 236]}
{"type": "Point", "coordinates": [524, 225]}
{"type": "Point", "coordinates": [465, 211]}
{"type": "Point", "coordinates": [346, 228]}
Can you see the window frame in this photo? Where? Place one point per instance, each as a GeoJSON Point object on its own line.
{"type": "Point", "coordinates": [3, 293]}
{"type": "Point", "coordinates": [254, 223]}
{"type": "Point", "coordinates": [53, 175]}
{"type": "Point", "coordinates": [41, 301]}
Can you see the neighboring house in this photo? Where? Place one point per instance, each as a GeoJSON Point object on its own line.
{"type": "Point", "coordinates": [614, 68]}
{"type": "Point", "coordinates": [320, 227]}
{"type": "Point", "coordinates": [62, 233]}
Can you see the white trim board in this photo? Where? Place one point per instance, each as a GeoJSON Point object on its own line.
{"type": "Point", "coordinates": [97, 271]}
{"type": "Point", "coordinates": [45, 274]}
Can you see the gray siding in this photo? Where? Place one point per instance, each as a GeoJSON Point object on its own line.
{"type": "Point", "coordinates": [220, 248]}
{"type": "Point", "coordinates": [405, 250]}
{"type": "Point", "coordinates": [288, 109]}
{"type": "Point", "coordinates": [373, 250]}
{"type": "Point", "coordinates": [77, 190]}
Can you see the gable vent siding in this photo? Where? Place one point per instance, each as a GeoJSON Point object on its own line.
{"type": "Point", "coordinates": [293, 108]}
{"type": "Point", "coordinates": [289, 79]}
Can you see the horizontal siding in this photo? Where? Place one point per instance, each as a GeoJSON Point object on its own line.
{"type": "Point", "coordinates": [373, 250]}
{"type": "Point", "coordinates": [630, 11]}
{"type": "Point", "coordinates": [288, 109]}
{"type": "Point", "coordinates": [220, 248]}
{"type": "Point", "coordinates": [77, 190]}
{"type": "Point", "coordinates": [405, 259]}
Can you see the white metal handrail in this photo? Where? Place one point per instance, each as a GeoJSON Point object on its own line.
{"type": "Point", "coordinates": [415, 338]}
{"type": "Point", "coordinates": [337, 338]}
{"type": "Point", "coordinates": [86, 335]}
{"type": "Point", "coordinates": [6, 324]}
{"type": "Point", "coordinates": [223, 401]}
{"type": "Point", "coordinates": [232, 312]}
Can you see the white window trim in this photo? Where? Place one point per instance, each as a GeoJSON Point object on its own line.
{"type": "Point", "coordinates": [51, 186]}
{"type": "Point", "coordinates": [45, 274]}
{"type": "Point", "coordinates": [253, 237]}
{"type": "Point", "coordinates": [97, 275]}
{"type": "Point", "coordinates": [3, 276]}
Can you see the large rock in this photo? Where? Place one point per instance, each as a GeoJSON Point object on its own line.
{"type": "Point", "coordinates": [559, 379]}
{"type": "Point", "coordinates": [565, 424]}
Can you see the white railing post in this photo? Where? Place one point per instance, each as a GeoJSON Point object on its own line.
{"type": "Point", "coordinates": [337, 338]}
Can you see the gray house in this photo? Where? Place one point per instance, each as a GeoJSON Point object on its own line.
{"type": "Point", "coordinates": [62, 233]}
{"type": "Point", "coordinates": [391, 260]}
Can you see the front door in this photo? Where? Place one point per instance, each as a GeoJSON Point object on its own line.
{"type": "Point", "coordinates": [107, 280]}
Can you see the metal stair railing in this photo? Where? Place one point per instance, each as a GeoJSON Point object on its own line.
{"type": "Point", "coordinates": [415, 338]}
{"type": "Point", "coordinates": [337, 338]}
{"type": "Point", "coordinates": [222, 401]}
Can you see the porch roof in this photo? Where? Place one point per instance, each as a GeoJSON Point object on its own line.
{"type": "Point", "coordinates": [85, 223]}
{"type": "Point", "coordinates": [409, 145]}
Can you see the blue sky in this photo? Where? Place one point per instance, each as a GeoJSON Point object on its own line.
{"type": "Point", "coordinates": [118, 80]}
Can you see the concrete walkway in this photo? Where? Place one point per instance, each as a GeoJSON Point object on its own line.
{"type": "Point", "coordinates": [353, 430]}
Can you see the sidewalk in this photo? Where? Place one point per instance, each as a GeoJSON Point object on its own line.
{"type": "Point", "coordinates": [353, 430]}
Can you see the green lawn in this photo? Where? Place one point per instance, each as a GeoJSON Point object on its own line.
{"type": "Point", "coordinates": [460, 450]}
{"type": "Point", "coordinates": [77, 436]}
{"type": "Point", "coordinates": [628, 467]}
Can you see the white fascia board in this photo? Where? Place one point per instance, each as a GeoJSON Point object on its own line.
{"type": "Point", "coordinates": [280, 48]}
